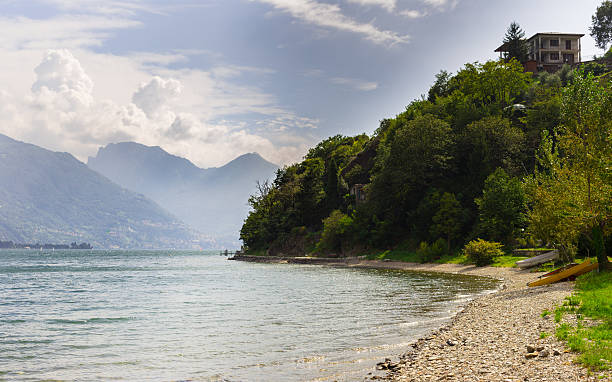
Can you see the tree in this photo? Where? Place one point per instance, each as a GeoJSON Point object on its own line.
{"type": "Point", "coordinates": [502, 207]}
{"type": "Point", "coordinates": [571, 191]}
{"type": "Point", "coordinates": [447, 221]}
{"type": "Point", "coordinates": [441, 87]}
{"type": "Point", "coordinates": [601, 24]}
{"type": "Point", "coordinates": [416, 153]}
{"type": "Point", "coordinates": [514, 41]}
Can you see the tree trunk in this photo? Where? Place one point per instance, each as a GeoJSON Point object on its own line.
{"type": "Point", "coordinates": [600, 249]}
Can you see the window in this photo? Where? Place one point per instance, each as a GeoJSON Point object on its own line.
{"type": "Point", "coordinates": [568, 58]}
{"type": "Point", "coordinates": [554, 43]}
{"type": "Point", "coordinates": [554, 56]}
{"type": "Point", "coordinates": [568, 44]}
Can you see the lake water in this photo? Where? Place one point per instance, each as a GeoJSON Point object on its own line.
{"type": "Point", "coordinates": [167, 315]}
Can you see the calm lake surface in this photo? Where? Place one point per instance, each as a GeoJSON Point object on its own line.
{"type": "Point", "coordinates": [167, 315]}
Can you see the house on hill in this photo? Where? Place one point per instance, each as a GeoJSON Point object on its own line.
{"type": "Point", "coordinates": [550, 51]}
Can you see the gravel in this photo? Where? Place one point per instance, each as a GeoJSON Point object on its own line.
{"type": "Point", "coordinates": [495, 338]}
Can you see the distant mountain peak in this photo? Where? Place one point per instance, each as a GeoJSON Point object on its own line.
{"type": "Point", "coordinates": [212, 200]}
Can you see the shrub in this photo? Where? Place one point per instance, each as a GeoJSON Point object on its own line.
{"type": "Point", "coordinates": [336, 229]}
{"type": "Point", "coordinates": [428, 253]}
{"type": "Point", "coordinates": [482, 252]}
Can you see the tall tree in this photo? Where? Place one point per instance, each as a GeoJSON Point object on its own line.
{"type": "Point", "coordinates": [601, 24]}
{"type": "Point", "coordinates": [516, 45]}
{"type": "Point", "coordinates": [572, 191]}
{"type": "Point", "coordinates": [502, 207]}
{"type": "Point", "coordinates": [447, 221]}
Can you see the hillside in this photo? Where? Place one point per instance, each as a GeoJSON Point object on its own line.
{"type": "Point", "coordinates": [51, 197]}
{"type": "Point", "coordinates": [211, 200]}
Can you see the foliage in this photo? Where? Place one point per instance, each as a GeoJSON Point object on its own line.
{"type": "Point", "coordinates": [515, 43]}
{"type": "Point", "coordinates": [431, 252]}
{"type": "Point", "coordinates": [594, 68]}
{"type": "Point", "coordinates": [441, 87]}
{"type": "Point", "coordinates": [571, 191]}
{"type": "Point", "coordinates": [336, 229]}
{"type": "Point", "coordinates": [502, 208]}
{"type": "Point", "coordinates": [482, 252]}
{"type": "Point", "coordinates": [447, 221]}
{"type": "Point", "coordinates": [601, 24]}
{"type": "Point", "coordinates": [447, 168]}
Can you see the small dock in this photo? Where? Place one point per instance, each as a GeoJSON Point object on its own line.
{"type": "Point", "coordinates": [228, 253]}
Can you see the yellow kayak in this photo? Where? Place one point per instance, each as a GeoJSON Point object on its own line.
{"type": "Point", "coordinates": [576, 270]}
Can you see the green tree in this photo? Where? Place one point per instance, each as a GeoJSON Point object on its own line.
{"type": "Point", "coordinates": [336, 229]}
{"type": "Point", "coordinates": [415, 155]}
{"type": "Point", "coordinates": [572, 190]}
{"type": "Point", "coordinates": [487, 144]}
{"type": "Point", "coordinates": [601, 24]}
{"type": "Point", "coordinates": [447, 221]}
{"type": "Point", "coordinates": [502, 208]}
{"type": "Point", "coordinates": [441, 87]}
{"type": "Point", "coordinates": [515, 43]}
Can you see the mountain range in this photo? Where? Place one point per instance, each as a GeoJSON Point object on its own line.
{"type": "Point", "coordinates": [51, 197]}
{"type": "Point", "coordinates": [212, 201]}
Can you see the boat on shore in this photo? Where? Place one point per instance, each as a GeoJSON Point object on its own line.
{"type": "Point", "coordinates": [537, 260]}
{"type": "Point", "coordinates": [574, 271]}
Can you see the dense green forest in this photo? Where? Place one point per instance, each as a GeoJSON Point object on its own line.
{"type": "Point", "coordinates": [490, 152]}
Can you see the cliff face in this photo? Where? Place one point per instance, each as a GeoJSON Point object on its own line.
{"type": "Point", "coordinates": [51, 197]}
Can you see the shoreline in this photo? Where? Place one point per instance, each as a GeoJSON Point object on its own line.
{"type": "Point", "coordinates": [487, 339]}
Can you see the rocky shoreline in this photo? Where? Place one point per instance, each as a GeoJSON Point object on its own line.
{"type": "Point", "coordinates": [497, 337]}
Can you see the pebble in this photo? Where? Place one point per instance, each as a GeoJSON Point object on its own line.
{"type": "Point", "coordinates": [487, 340]}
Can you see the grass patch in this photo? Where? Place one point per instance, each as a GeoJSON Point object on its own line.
{"type": "Point", "coordinates": [459, 258]}
{"type": "Point", "coordinates": [395, 255]}
{"type": "Point", "coordinates": [405, 255]}
{"type": "Point", "coordinates": [592, 299]}
{"type": "Point", "coordinates": [507, 261]}
{"type": "Point", "coordinates": [545, 313]}
{"type": "Point", "coordinates": [544, 335]}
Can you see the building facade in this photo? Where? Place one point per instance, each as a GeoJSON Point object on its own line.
{"type": "Point", "coordinates": [550, 51]}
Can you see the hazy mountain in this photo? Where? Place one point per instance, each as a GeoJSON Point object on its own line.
{"type": "Point", "coordinates": [213, 200]}
{"type": "Point", "coordinates": [51, 197]}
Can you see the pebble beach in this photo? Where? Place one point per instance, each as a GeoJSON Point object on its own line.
{"type": "Point", "coordinates": [496, 337]}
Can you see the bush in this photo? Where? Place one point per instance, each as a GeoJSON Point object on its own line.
{"type": "Point", "coordinates": [482, 252]}
{"type": "Point", "coordinates": [429, 253]}
{"type": "Point", "coordinates": [336, 230]}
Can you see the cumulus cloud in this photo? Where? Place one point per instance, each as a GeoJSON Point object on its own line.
{"type": "Point", "coordinates": [60, 72]}
{"type": "Point", "coordinates": [331, 16]}
{"type": "Point", "coordinates": [154, 96]}
{"type": "Point", "coordinates": [62, 113]}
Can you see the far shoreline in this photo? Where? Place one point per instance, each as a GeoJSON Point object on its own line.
{"type": "Point", "coordinates": [487, 339]}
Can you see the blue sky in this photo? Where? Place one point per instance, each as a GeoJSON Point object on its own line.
{"type": "Point", "coordinates": [213, 79]}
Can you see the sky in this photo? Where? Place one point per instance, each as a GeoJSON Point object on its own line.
{"type": "Point", "coordinates": [210, 80]}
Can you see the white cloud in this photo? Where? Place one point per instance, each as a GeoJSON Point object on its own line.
{"type": "Point", "coordinates": [355, 83]}
{"type": "Point", "coordinates": [389, 5]}
{"type": "Point", "coordinates": [61, 112]}
{"type": "Point", "coordinates": [153, 96]}
{"type": "Point", "coordinates": [331, 16]}
{"type": "Point", "coordinates": [71, 31]}
{"type": "Point", "coordinates": [441, 4]}
{"type": "Point", "coordinates": [412, 14]}
{"type": "Point", "coordinates": [61, 72]}
{"type": "Point", "coordinates": [76, 100]}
